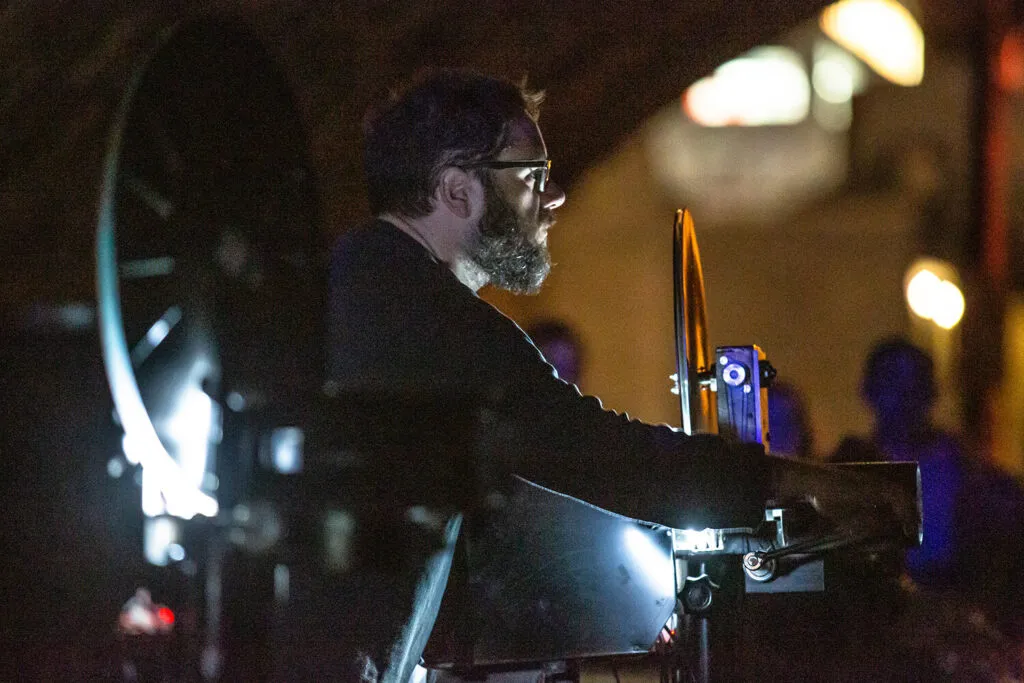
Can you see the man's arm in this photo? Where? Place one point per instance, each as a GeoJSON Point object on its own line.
{"type": "Point", "coordinates": [569, 443]}
{"type": "Point", "coordinates": [403, 324]}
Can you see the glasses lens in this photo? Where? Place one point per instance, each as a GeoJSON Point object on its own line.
{"type": "Point", "coordinates": [541, 177]}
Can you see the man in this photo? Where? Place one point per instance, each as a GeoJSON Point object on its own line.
{"type": "Point", "coordinates": [973, 513]}
{"type": "Point", "coordinates": [790, 423]}
{"type": "Point", "coordinates": [458, 179]}
{"type": "Point", "coordinates": [898, 385]}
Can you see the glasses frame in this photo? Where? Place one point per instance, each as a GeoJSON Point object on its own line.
{"type": "Point", "coordinates": [541, 173]}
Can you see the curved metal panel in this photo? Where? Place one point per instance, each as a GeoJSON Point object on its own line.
{"type": "Point", "coordinates": [551, 578]}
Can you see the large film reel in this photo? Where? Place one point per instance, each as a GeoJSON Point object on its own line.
{"type": "Point", "coordinates": [209, 275]}
{"type": "Point", "coordinates": [693, 356]}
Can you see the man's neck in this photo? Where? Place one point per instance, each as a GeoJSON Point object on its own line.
{"type": "Point", "coordinates": [443, 245]}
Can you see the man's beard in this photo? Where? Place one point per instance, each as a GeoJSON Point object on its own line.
{"type": "Point", "coordinates": [504, 250]}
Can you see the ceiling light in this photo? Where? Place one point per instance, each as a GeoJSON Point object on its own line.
{"type": "Point", "coordinates": [883, 33]}
{"type": "Point", "coordinates": [767, 86]}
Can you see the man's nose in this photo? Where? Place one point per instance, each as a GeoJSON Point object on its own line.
{"type": "Point", "coordinates": [553, 196]}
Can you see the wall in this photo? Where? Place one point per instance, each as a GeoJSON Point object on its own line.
{"type": "Point", "coordinates": [814, 286]}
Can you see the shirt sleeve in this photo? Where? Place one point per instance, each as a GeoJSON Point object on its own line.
{"type": "Point", "coordinates": [542, 429]}
{"type": "Point", "coordinates": [403, 326]}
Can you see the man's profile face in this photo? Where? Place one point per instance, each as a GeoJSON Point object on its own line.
{"type": "Point", "coordinates": [509, 247]}
{"type": "Point", "coordinates": [511, 242]}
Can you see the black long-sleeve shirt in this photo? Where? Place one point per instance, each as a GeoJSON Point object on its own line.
{"type": "Point", "coordinates": [402, 325]}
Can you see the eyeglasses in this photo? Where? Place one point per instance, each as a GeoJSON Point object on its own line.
{"type": "Point", "coordinates": [541, 169]}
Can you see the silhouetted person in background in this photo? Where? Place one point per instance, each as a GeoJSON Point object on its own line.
{"type": "Point", "coordinates": [789, 424]}
{"type": "Point", "coordinates": [898, 384]}
{"type": "Point", "coordinates": [561, 346]}
{"type": "Point", "coordinates": [973, 513]}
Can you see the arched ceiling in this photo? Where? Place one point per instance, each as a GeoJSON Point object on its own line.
{"type": "Point", "coordinates": [606, 67]}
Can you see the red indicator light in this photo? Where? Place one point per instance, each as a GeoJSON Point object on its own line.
{"type": "Point", "coordinates": [165, 615]}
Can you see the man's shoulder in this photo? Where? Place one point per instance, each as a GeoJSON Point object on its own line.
{"type": "Point", "coordinates": [372, 238]}
{"type": "Point", "coordinates": [376, 250]}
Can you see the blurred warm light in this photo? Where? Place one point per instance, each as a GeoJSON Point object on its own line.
{"type": "Point", "coordinates": [921, 291]}
{"type": "Point", "coordinates": [832, 81]}
{"type": "Point", "coordinates": [883, 33]}
{"type": "Point", "coordinates": [836, 74]}
{"type": "Point", "coordinates": [951, 310]}
{"type": "Point", "coordinates": [767, 86]}
{"type": "Point", "coordinates": [932, 294]}
{"type": "Point", "coordinates": [1010, 71]}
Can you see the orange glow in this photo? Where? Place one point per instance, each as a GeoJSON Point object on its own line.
{"type": "Point", "coordinates": [1010, 73]}
{"type": "Point", "coordinates": [883, 33]}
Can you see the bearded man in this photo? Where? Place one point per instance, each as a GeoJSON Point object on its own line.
{"type": "Point", "coordinates": [458, 177]}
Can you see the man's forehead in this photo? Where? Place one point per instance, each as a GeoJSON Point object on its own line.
{"type": "Point", "coordinates": [525, 140]}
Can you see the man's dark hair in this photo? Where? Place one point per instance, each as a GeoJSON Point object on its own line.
{"type": "Point", "coordinates": [441, 118]}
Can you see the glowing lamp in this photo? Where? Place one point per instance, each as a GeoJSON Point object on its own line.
{"type": "Point", "coordinates": [697, 541]}
{"type": "Point", "coordinates": [932, 294]}
{"type": "Point", "coordinates": [883, 33]}
{"type": "Point", "coordinates": [767, 86]}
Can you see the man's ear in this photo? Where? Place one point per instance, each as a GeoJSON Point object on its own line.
{"type": "Point", "coordinates": [460, 193]}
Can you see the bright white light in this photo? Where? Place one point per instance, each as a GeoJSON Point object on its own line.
{"type": "Point", "coordinates": [921, 293]}
{"type": "Point", "coordinates": [836, 74]}
{"type": "Point", "coordinates": [175, 488]}
{"type": "Point", "coordinates": [115, 467]}
{"type": "Point", "coordinates": [166, 479]}
{"type": "Point", "coordinates": [158, 332]}
{"type": "Point", "coordinates": [286, 449]}
{"type": "Point", "coordinates": [189, 428]}
{"type": "Point", "coordinates": [933, 297]}
{"type": "Point", "coordinates": [883, 33]}
{"type": "Point", "coordinates": [767, 86]}
{"type": "Point", "coordinates": [159, 535]}
{"type": "Point", "coordinates": [694, 541]}
{"type": "Point", "coordinates": [832, 81]}
{"type": "Point", "coordinates": [142, 443]}
{"type": "Point", "coordinates": [951, 310]}
{"type": "Point", "coordinates": [656, 562]}
{"type": "Point", "coordinates": [153, 503]}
